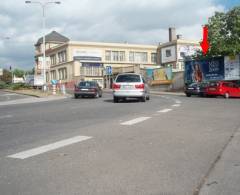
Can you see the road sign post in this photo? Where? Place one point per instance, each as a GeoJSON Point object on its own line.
{"type": "Point", "coordinates": [108, 73]}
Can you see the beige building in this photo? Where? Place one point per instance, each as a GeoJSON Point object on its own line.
{"type": "Point", "coordinates": [174, 52]}
{"type": "Point", "coordinates": [72, 61]}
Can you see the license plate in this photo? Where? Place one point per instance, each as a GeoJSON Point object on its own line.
{"type": "Point", "coordinates": [84, 89]}
{"type": "Point", "coordinates": [190, 88]}
{"type": "Point", "coordinates": [212, 89]}
{"type": "Point", "coordinates": [126, 87]}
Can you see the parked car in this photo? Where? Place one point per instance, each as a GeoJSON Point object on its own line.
{"type": "Point", "coordinates": [223, 88]}
{"type": "Point", "coordinates": [87, 88]}
{"type": "Point", "coordinates": [130, 85]}
{"type": "Point", "coordinates": [196, 89]}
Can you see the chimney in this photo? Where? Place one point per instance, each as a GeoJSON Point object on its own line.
{"type": "Point", "coordinates": [179, 36]}
{"type": "Point", "coordinates": [172, 34]}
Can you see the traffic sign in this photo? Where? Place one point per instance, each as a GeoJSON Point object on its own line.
{"type": "Point", "coordinates": [108, 70]}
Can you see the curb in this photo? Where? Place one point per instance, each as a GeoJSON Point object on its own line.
{"type": "Point", "coordinates": [32, 95]}
{"type": "Point", "coordinates": [9, 91]}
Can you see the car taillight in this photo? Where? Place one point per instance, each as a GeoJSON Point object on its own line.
{"type": "Point", "coordinates": [116, 86]}
{"type": "Point", "coordinates": [139, 86]}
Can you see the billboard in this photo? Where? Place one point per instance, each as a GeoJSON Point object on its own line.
{"type": "Point", "coordinates": [232, 67]}
{"type": "Point", "coordinates": [158, 75]}
{"type": "Point", "coordinates": [186, 50]}
{"type": "Point", "coordinates": [40, 63]}
{"type": "Point", "coordinates": [204, 70]}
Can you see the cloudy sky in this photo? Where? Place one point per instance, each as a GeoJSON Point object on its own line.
{"type": "Point", "coordinates": [134, 21]}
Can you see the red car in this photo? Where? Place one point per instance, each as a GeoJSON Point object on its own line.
{"type": "Point", "coordinates": [223, 88]}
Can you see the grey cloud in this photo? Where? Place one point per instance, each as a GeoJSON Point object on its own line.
{"type": "Point", "coordinates": [134, 21]}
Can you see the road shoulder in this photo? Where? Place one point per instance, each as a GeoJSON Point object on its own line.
{"type": "Point", "coordinates": [225, 175]}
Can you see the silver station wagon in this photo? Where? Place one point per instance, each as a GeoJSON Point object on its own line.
{"type": "Point", "coordinates": [130, 85]}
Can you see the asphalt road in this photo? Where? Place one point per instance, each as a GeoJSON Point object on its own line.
{"type": "Point", "coordinates": [168, 145]}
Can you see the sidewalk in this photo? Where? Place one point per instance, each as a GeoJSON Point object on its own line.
{"type": "Point", "coordinates": [224, 178]}
{"type": "Point", "coordinates": [154, 92]}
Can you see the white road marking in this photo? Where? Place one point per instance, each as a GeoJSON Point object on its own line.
{"type": "Point", "coordinates": [176, 105]}
{"type": "Point", "coordinates": [136, 120]}
{"type": "Point", "coordinates": [49, 147]}
{"type": "Point", "coordinates": [178, 102]}
{"type": "Point", "coordinates": [165, 110]}
{"type": "Point", "coordinates": [6, 116]}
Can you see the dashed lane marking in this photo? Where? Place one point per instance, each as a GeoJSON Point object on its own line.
{"type": "Point", "coordinates": [136, 120]}
{"type": "Point", "coordinates": [176, 105]}
{"type": "Point", "coordinates": [6, 116]}
{"type": "Point", "coordinates": [49, 147]}
{"type": "Point", "coordinates": [165, 110]}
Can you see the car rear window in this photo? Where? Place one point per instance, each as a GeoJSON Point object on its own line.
{"type": "Point", "coordinates": [87, 84]}
{"type": "Point", "coordinates": [128, 78]}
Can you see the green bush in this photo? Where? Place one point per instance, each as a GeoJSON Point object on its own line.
{"type": "Point", "coordinates": [18, 86]}
{"type": "Point", "coordinates": [3, 85]}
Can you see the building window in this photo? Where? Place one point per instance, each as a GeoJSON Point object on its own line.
{"type": "Point", "coordinates": [62, 56]}
{"type": "Point", "coordinates": [131, 56]}
{"type": "Point", "coordinates": [182, 54]}
{"type": "Point", "coordinates": [53, 59]}
{"type": "Point", "coordinates": [122, 56]}
{"type": "Point", "coordinates": [91, 71]}
{"type": "Point", "coordinates": [62, 73]}
{"type": "Point", "coordinates": [138, 57]}
{"type": "Point", "coordinates": [154, 58]}
{"type": "Point", "coordinates": [168, 53]}
{"type": "Point", "coordinates": [115, 55]}
{"type": "Point", "coordinates": [108, 55]}
{"type": "Point", "coordinates": [53, 75]}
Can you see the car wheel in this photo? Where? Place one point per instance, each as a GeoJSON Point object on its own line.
{"type": "Point", "coordinates": [188, 95]}
{"type": "Point", "coordinates": [143, 99]}
{"type": "Point", "coordinates": [226, 95]}
{"type": "Point", "coordinates": [75, 96]}
{"type": "Point", "coordinates": [97, 95]}
{"type": "Point", "coordinates": [115, 99]}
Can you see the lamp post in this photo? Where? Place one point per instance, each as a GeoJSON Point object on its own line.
{"type": "Point", "coordinates": [43, 5]}
{"type": "Point", "coordinates": [3, 39]}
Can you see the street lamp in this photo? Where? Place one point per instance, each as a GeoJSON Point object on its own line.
{"type": "Point", "coordinates": [3, 39]}
{"type": "Point", "coordinates": [43, 5]}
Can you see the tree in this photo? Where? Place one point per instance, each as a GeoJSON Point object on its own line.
{"type": "Point", "coordinates": [30, 72]}
{"type": "Point", "coordinates": [18, 72]}
{"type": "Point", "coordinates": [7, 76]}
{"type": "Point", "coordinates": [224, 34]}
